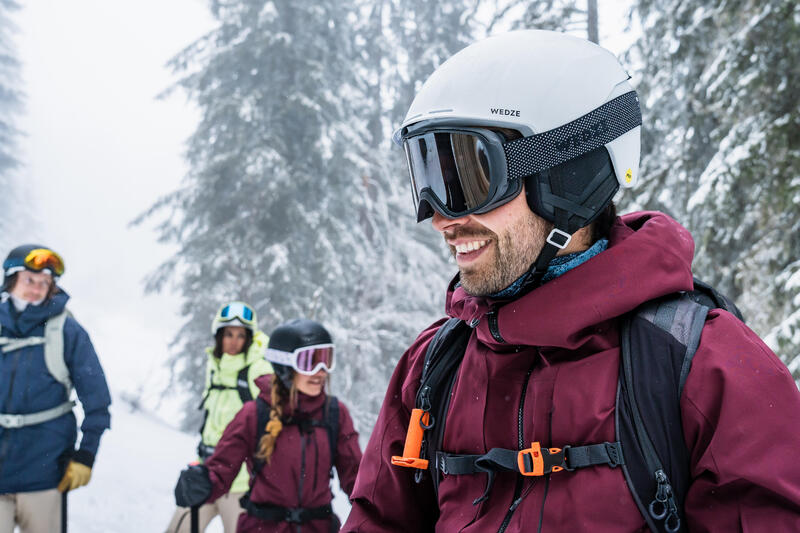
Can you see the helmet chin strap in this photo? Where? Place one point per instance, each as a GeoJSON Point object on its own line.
{"type": "Point", "coordinates": [566, 223]}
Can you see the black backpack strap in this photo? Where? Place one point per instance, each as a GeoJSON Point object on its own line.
{"type": "Point", "coordinates": [332, 425]}
{"type": "Point", "coordinates": [707, 295]}
{"type": "Point", "coordinates": [658, 343]}
{"type": "Point", "coordinates": [442, 359]}
{"type": "Point", "coordinates": [262, 417]}
{"type": "Point", "coordinates": [243, 385]}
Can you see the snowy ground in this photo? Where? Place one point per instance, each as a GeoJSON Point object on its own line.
{"type": "Point", "coordinates": [135, 474]}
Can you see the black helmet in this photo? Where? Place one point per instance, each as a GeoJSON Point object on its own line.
{"type": "Point", "coordinates": [291, 335]}
{"type": "Point", "coordinates": [33, 257]}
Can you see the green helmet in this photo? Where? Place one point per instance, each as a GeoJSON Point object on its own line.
{"type": "Point", "coordinates": [235, 314]}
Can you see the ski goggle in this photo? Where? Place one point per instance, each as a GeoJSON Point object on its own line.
{"type": "Point", "coordinates": [236, 310]}
{"type": "Point", "coordinates": [307, 360]}
{"type": "Point", "coordinates": [37, 260]}
{"type": "Point", "coordinates": [457, 171]}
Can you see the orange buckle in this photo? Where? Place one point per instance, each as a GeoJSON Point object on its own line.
{"type": "Point", "coordinates": [538, 461]}
{"type": "Point", "coordinates": [420, 420]}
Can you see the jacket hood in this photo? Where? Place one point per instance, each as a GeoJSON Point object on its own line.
{"type": "Point", "coordinates": [305, 404]}
{"type": "Point", "coordinates": [649, 255]}
{"type": "Point", "coordinates": [24, 323]}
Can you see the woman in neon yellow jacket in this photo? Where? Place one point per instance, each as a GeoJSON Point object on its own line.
{"type": "Point", "coordinates": [234, 362]}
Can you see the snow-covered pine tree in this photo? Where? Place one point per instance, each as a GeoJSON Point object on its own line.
{"type": "Point", "coordinates": [289, 203]}
{"type": "Point", "coordinates": [572, 16]}
{"type": "Point", "coordinates": [10, 96]}
{"type": "Point", "coordinates": [720, 89]}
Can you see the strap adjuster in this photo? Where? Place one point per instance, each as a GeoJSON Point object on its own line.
{"type": "Point", "coordinates": [11, 421]}
{"type": "Point", "coordinates": [538, 461]}
{"type": "Point", "coordinates": [294, 515]}
{"type": "Point", "coordinates": [563, 235]}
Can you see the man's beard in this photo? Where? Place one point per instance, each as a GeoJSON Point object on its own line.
{"type": "Point", "coordinates": [512, 255]}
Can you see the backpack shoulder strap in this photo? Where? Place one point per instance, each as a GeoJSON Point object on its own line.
{"type": "Point", "coordinates": [658, 343]}
{"type": "Point", "coordinates": [707, 295]}
{"type": "Point", "coordinates": [442, 359]}
{"type": "Point", "coordinates": [243, 384]}
{"type": "Point", "coordinates": [262, 417]}
{"type": "Point", "coordinates": [54, 350]}
{"type": "Point", "coordinates": [332, 425]}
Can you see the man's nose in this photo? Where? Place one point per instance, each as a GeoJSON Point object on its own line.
{"type": "Point", "coordinates": [441, 223]}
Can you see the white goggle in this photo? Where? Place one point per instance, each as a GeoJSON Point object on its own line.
{"type": "Point", "coordinates": [307, 360]}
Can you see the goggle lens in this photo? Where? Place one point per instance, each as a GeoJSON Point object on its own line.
{"type": "Point", "coordinates": [454, 167]}
{"type": "Point", "coordinates": [237, 310]}
{"type": "Point", "coordinates": [42, 258]}
{"type": "Point", "coordinates": [309, 360]}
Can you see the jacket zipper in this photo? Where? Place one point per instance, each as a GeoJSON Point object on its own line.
{"type": "Point", "coordinates": [302, 474]}
{"type": "Point", "coordinates": [521, 443]}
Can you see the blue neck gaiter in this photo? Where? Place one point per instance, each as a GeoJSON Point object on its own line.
{"type": "Point", "coordinates": [558, 266]}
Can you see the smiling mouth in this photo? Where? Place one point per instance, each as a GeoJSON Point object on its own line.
{"type": "Point", "coordinates": [471, 246]}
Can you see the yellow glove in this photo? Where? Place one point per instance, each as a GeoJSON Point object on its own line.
{"type": "Point", "coordinates": [77, 475]}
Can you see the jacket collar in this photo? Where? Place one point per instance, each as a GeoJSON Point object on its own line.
{"type": "Point", "coordinates": [22, 324]}
{"type": "Point", "coordinates": [649, 255]}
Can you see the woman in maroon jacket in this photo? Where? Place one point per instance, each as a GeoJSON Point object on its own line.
{"type": "Point", "coordinates": [285, 439]}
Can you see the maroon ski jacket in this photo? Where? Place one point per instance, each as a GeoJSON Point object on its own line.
{"type": "Point", "coordinates": [740, 408]}
{"type": "Point", "coordinates": [299, 472]}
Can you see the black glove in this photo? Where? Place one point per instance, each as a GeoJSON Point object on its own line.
{"type": "Point", "coordinates": [194, 486]}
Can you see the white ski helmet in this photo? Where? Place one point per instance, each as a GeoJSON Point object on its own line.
{"type": "Point", "coordinates": [570, 101]}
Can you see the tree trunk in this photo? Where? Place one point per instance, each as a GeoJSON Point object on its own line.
{"type": "Point", "coordinates": [591, 9]}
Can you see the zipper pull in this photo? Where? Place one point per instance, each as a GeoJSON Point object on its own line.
{"type": "Point", "coordinates": [494, 328]}
{"type": "Point", "coordinates": [663, 507]}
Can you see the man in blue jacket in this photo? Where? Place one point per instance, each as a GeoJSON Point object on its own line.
{"type": "Point", "coordinates": [44, 354]}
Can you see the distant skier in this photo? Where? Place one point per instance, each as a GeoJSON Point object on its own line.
{"type": "Point", "coordinates": [44, 353]}
{"type": "Point", "coordinates": [234, 363]}
{"type": "Point", "coordinates": [291, 437]}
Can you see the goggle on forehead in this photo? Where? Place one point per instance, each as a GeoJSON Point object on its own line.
{"type": "Point", "coordinates": [458, 171]}
{"type": "Point", "coordinates": [307, 360]}
{"type": "Point", "coordinates": [237, 310]}
{"type": "Point", "coordinates": [37, 260]}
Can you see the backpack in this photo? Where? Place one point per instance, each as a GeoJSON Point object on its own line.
{"type": "Point", "coordinates": [330, 422]}
{"type": "Point", "coordinates": [53, 341]}
{"type": "Point", "coordinates": [650, 448]}
{"type": "Point", "coordinates": [293, 515]}
{"type": "Point", "coordinates": [242, 387]}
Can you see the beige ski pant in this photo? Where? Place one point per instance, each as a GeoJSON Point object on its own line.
{"type": "Point", "coordinates": [226, 506]}
{"type": "Point", "coordinates": [34, 512]}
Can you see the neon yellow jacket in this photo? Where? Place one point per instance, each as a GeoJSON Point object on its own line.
{"type": "Point", "coordinates": [221, 405]}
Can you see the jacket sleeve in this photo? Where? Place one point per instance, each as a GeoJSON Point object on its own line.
{"type": "Point", "coordinates": [235, 445]}
{"type": "Point", "coordinates": [348, 452]}
{"type": "Point", "coordinates": [741, 421]}
{"type": "Point", "coordinates": [90, 384]}
{"type": "Point", "coordinates": [386, 498]}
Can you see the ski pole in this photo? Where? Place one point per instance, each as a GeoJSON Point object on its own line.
{"type": "Point", "coordinates": [64, 512]}
{"type": "Point", "coordinates": [195, 519]}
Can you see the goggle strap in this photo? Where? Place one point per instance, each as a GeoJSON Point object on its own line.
{"type": "Point", "coordinates": [530, 155]}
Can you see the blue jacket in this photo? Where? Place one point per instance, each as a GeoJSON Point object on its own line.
{"type": "Point", "coordinates": [34, 457]}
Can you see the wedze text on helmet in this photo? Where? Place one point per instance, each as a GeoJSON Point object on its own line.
{"type": "Point", "coordinates": [592, 132]}
{"type": "Point", "coordinates": [504, 112]}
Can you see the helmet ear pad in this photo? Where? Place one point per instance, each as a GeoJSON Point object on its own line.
{"type": "Point", "coordinates": [285, 374]}
{"type": "Point", "coordinates": [581, 187]}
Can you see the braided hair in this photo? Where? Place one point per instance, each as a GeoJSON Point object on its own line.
{"type": "Point", "coordinates": [279, 397]}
